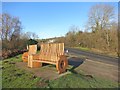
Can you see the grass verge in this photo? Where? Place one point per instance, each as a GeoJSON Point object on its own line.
{"type": "Point", "coordinates": [13, 77]}
{"type": "Point", "coordinates": [81, 81]}
{"type": "Point", "coordinates": [108, 53]}
{"type": "Point", "coordinates": [83, 48]}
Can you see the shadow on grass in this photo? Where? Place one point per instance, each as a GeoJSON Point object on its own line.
{"type": "Point", "coordinates": [75, 62]}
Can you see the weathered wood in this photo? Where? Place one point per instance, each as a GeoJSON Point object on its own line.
{"type": "Point", "coordinates": [32, 64]}
{"type": "Point", "coordinates": [52, 53]}
{"type": "Point", "coordinates": [49, 62]}
{"type": "Point", "coordinates": [61, 64]}
{"type": "Point", "coordinates": [25, 57]}
{"type": "Point", "coordinates": [31, 50]}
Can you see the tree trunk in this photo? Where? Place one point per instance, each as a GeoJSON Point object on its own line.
{"type": "Point", "coordinates": [107, 39]}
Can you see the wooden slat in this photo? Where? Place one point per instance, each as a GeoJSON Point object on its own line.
{"type": "Point", "coordinates": [32, 49]}
{"type": "Point", "coordinates": [51, 51]}
{"type": "Point", "coordinates": [49, 62]}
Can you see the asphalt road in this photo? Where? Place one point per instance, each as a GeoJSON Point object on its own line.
{"type": "Point", "coordinates": [94, 56]}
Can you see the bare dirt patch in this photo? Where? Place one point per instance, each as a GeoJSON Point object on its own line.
{"type": "Point", "coordinates": [47, 72]}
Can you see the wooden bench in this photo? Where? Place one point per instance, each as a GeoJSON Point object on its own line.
{"type": "Point", "coordinates": [32, 49]}
{"type": "Point", "coordinates": [52, 53]}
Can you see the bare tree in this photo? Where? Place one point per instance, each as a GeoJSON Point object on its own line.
{"type": "Point", "coordinates": [71, 35]}
{"type": "Point", "coordinates": [6, 26]}
{"type": "Point", "coordinates": [29, 35]}
{"type": "Point", "coordinates": [100, 16]}
{"type": "Point", "coordinates": [34, 35]}
{"type": "Point", "coordinates": [15, 33]}
{"type": "Point", "coordinates": [10, 32]}
{"type": "Point", "coordinates": [11, 27]}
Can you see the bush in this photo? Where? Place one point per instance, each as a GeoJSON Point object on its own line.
{"type": "Point", "coordinates": [31, 42]}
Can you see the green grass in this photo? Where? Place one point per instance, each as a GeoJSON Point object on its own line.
{"type": "Point", "coordinates": [80, 81]}
{"type": "Point", "coordinates": [111, 54]}
{"type": "Point", "coordinates": [83, 48]}
{"type": "Point", "coordinates": [13, 77]}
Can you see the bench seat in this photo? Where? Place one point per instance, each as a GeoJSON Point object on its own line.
{"type": "Point", "coordinates": [52, 54]}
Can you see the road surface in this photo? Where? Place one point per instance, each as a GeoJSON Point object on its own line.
{"type": "Point", "coordinates": [94, 56]}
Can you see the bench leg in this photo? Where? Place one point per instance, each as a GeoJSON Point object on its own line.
{"type": "Point", "coordinates": [36, 64]}
{"type": "Point", "coordinates": [30, 61]}
{"type": "Point", "coordinates": [33, 64]}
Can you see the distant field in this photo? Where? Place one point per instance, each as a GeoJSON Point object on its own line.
{"type": "Point", "coordinates": [13, 77]}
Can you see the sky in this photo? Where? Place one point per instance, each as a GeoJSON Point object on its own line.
{"type": "Point", "coordinates": [50, 19]}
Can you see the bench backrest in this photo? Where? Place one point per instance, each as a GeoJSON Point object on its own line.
{"type": "Point", "coordinates": [32, 49]}
{"type": "Point", "coordinates": [51, 51]}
